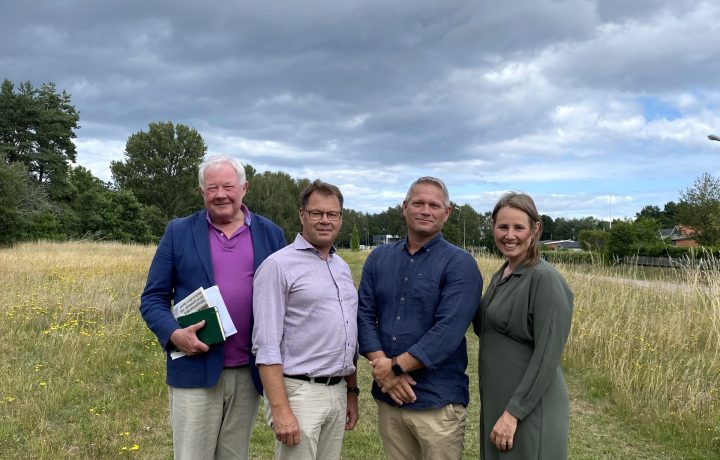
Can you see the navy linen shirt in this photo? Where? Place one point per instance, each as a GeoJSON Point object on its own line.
{"type": "Point", "coordinates": [421, 303]}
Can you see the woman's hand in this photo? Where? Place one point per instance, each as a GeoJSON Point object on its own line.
{"type": "Point", "coordinates": [504, 431]}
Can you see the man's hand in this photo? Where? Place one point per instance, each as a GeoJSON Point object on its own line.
{"type": "Point", "coordinates": [353, 413]}
{"type": "Point", "coordinates": [383, 374]}
{"type": "Point", "coordinates": [402, 392]}
{"type": "Point", "coordinates": [286, 427]}
{"type": "Point", "coordinates": [186, 339]}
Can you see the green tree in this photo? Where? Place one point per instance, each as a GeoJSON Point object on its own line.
{"type": "Point", "coordinates": [464, 227]}
{"type": "Point", "coordinates": [160, 169]}
{"type": "Point", "coordinates": [665, 218]}
{"type": "Point", "coordinates": [37, 129]}
{"type": "Point", "coordinates": [104, 213]}
{"type": "Point", "coordinates": [626, 237]}
{"type": "Point", "coordinates": [569, 229]}
{"type": "Point", "coordinates": [594, 240]}
{"type": "Point", "coordinates": [621, 239]}
{"type": "Point", "coordinates": [699, 209]}
{"type": "Point", "coordinates": [276, 195]}
{"type": "Point", "coordinates": [13, 188]}
{"type": "Point", "coordinates": [388, 222]}
{"type": "Point", "coordinates": [352, 219]}
{"type": "Point", "coordinates": [355, 241]}
{"type": "Point", "coordinates": [547, 227]}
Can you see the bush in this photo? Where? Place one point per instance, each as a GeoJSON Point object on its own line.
{"type": "Point", "coordinates": [572, 257]}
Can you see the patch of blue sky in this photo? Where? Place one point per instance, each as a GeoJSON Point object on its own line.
{"type": "Point", "coordinates": [655, 108]}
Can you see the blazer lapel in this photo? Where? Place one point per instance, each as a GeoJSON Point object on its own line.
{"type": "Point", "coordinates": [257, 233]}
{"type": "Point", "coordinates": [202, 243]}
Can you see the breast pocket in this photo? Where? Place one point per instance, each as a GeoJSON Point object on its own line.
{"type": "Point", "coordinates": [426, 293]}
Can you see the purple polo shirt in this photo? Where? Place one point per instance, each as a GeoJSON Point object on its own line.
{"type": "Point", "coordinates": [232, 260]}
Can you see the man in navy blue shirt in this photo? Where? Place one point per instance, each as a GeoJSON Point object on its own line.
{"type": "Point", "coordinates": [417, 298]}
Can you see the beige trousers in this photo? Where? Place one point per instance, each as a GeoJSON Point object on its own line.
{"type": "Point", "coordinates": [431, 434]}
{"type": "Point", "coordinates": [321, 412]}
{"type": "Point", "coordinates": [214, 423]}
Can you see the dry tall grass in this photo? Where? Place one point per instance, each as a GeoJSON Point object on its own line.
{"type": "Point", "coordinates": [653, 348]}
{"type": "Point", "coordinates": [82, 377]}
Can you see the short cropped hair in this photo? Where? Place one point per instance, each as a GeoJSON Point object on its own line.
{"type": "Point", "coordinates": [524, 203]}
{"type": "Point", "coordinates": [433, 181]}
{"type": "Point", "coordinates": [215, 161]}
{"type": "Point", "coordinates": [322, 188]}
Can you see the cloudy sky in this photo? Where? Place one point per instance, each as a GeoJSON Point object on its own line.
{"type": "Point", "coordinates": [594, 107]}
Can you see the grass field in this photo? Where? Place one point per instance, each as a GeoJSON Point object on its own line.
{"type": "Point", "coordinates": [82, 377]}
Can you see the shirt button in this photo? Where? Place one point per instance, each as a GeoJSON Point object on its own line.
{"type": "Point", "coordinates": [406, 278]}
{"type": "Point", "coordinates": [411, 260]}
{"type": "Point", "coordinates": [397, 317]}
{"type": "Point", "coordinates": [402, 299]}
{"type": "Point", "coordinates": [394, 338]}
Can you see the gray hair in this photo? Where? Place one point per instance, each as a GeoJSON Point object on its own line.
{"type": "Point", "coordinates": [433, 181]}
{"type": "Point", "coordinates": [215, 161]}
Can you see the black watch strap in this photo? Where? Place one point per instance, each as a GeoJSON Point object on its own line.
{"type": "Point", "coordinates": [397, 370]}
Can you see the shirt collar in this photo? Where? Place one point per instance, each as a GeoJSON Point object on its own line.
{"type": "Point", "coordinates": [427, 246]}
{"type": "Point", "coordinates": [301, 243]}
{"type": "Point", "coordinates": [243, 208]}
{"type": "Point", "coordinates": [519, 270]}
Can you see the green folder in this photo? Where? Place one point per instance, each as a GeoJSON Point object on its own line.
{"type": "Point", "coordinates": [212, 332]}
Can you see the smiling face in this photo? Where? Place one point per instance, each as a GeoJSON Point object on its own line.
{"type": "Point", "coordinates": [223, 194]}
{"type": "Point", "coordinates": [425, 212]}
{"type": "Point", "coordinates": [514, 234]}
{"type": "Point", "coordinates": [321, 233]}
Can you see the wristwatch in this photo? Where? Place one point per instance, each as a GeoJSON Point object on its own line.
{"type": "Point", "coordinates": [397, 370]}
{"type": "Point", "coordinates": [355, 390]}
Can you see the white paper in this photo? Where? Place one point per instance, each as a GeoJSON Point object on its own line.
{"type": "Point", "coordinates": [194, 302]}
{"type": "Point", "coordinates": [201, 299]}
{"type": "Point", "coordinates": [213, 294]}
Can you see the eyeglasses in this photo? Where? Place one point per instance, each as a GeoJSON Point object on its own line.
{"type": "Point", "coordinates": [333, 216]}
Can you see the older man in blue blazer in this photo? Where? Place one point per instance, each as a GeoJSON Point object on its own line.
{"type": "Point", "coordinates": [213, 390]}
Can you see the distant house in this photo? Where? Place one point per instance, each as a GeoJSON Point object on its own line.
{"type": "Point", "coordinates": [385, 239]}
{"type": "Point", "coordinates": [666, 233]}
{"type": "Point", "coordinates": [679, 236]}
{"type": "Point", "coordinates": [567, 245]}
{"type": "Point", "coordinates": [684, 237]}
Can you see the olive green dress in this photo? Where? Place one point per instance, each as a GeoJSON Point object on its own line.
{"type": "Point", "coordinates": [523, 324]}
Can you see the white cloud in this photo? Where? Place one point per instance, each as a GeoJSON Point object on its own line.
{"type": "Point", "coordinates": [570, 101]}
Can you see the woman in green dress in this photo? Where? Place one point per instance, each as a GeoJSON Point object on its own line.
{"type": "Point", "coordinates": [523, 324]}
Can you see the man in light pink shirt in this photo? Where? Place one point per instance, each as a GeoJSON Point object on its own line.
{"type": "Point", "coordinates": [305, 334]}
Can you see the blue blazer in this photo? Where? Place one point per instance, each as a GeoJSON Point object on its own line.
{"type": "Point", "coordinates": [182, 263]}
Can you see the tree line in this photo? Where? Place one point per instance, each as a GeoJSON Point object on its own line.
{"type": "Point", "coordinates": [43, 195]}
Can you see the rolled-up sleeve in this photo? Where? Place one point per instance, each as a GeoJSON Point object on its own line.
{"type": "Point", "coordinates": [269, 305]}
